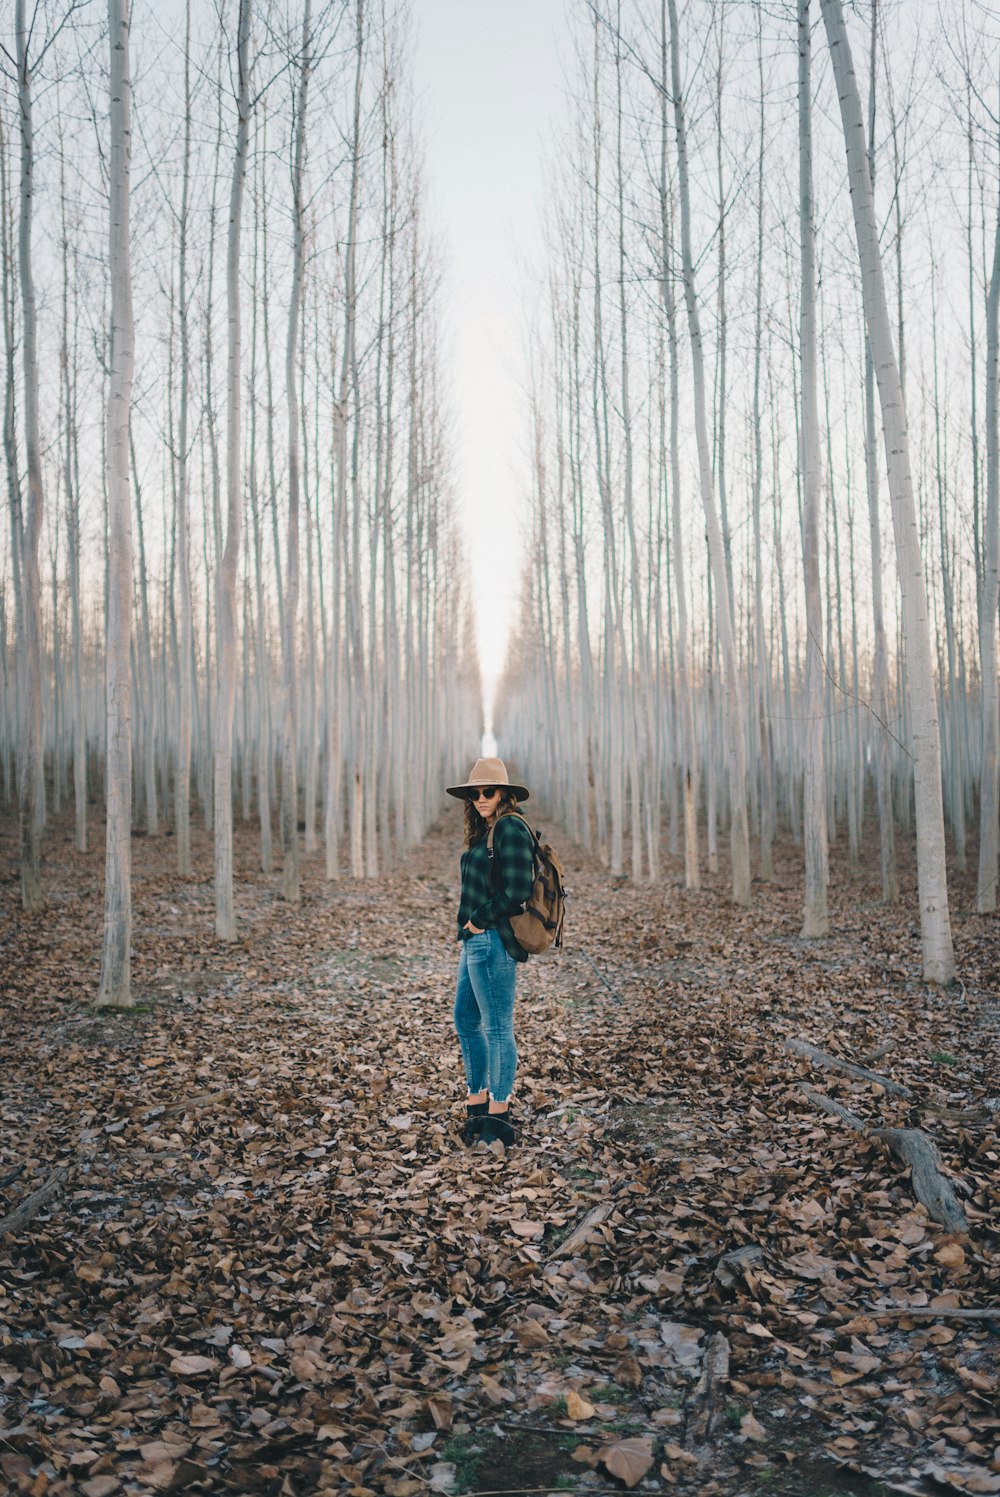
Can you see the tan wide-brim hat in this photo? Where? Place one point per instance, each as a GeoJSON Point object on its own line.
{"type": "Point", "coordinates": [487, 772]}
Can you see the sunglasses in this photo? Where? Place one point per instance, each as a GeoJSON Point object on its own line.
{"type": "Point", "coordinates": [474, 795]}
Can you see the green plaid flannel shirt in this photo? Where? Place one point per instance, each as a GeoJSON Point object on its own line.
{"type": "Point", "coordinates": [487, 901]}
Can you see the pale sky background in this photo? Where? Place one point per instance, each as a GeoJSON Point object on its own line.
{"type": "Point", "coordinates": [489, 79]}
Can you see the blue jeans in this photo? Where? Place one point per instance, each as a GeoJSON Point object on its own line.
{"type": "Point", "coordinates": [484, 1014]}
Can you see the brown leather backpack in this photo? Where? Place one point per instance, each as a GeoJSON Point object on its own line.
{"type": "Point", "coordinates": [541, 923]}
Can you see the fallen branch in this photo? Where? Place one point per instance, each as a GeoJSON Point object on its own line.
{"type": "Point", "coordinates": [969, 1117]}
{"type": "Point", "coordinates": [930, 1312]}
{"type": "Point", "coordinates": [706, 1399]}
{"type": "Point", "coordinates": [8, 1179]}
{"type": "Point", "coordinates": [836, 1110]}
{"type": "Point", "coordinates": [834, 1063]}
{"type": "Point", "coordinates": [578, 1236]}
{"type": "Point", "coordinates": [34, 1203]}
{"type": "Point", "coordinates": [914, 1148]}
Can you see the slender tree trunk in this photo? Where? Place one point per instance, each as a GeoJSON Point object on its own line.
{"type": "Point", "coordinates": [986, 884]}
{"type": "Point", "coordinates": [31, 765]}
{"type": "Point", "coordinates": [880, 663]}
{"type": "Point", "coordinates": [688, 754]}
{"type": "Point", "coordinates": [116, 956]}
{"type": "Point", "coordinates": [225, 919]}
{"type": "Point", "coordinates": [735, 740]}
{"type": "Point", "coordinates": [814, 819]}
{"type": "Point", "coordinates": [765, 749]}
{"type": "Point", "coordinates": [144, 674]}
{"type": "Point", "coordinates": [182, 773]}
{"type": "Point", "coordinates": [69, 369]}
{"type": "Point", "coordinates": [935, 921]}
{"type": "Point", "coordinates": [635, 660]}
{"type": "Point", "coordinates": [336, 685]}
{"type": "Point", "coordinates": [290, 742]}
{"type": "Point", "coordinates": [14, 498]}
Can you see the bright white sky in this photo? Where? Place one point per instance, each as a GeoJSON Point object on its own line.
{"type": "Point", "coordinates": [489, 77]}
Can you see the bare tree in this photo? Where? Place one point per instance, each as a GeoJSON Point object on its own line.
{"type": "Point", "coordinates": [116, 956]}
{"type": "Point", "coordinates": [935, 921]}
{"type": "Point", "coordinates": [28, 533]}
{"type": "Point", "coordinates": [735, 740]}
{"type": "Point", "coordinates": [289, 762]}
{"type": "Point", "coordinates": [182, 783]}
{"type": "Point", "coordinates": [989, 810]}
{"type": "Point", "coordinates": [816, 919]}
{"type": "Point", "coordinates": [225, 919]}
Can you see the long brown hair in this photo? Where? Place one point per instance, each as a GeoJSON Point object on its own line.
{"type": "Point", "coordinates": [475, 825]}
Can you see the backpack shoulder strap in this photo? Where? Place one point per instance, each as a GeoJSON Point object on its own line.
{"type": "Point", "coordinates": [511, 816]}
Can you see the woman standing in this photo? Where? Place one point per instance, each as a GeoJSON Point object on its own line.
{"type": "Point", "coordinates": [495, 884]}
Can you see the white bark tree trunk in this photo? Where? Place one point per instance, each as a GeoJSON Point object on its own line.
{"type": "Point", "coordinates": [336, 669]}
{"type": "Point", "coordinates": [31, 765]}
{"type": "Point", "coordinates": [290, 743]}
{"type": "Point", "coordinates": [814, 820]}
{"type": "Point", "coordinates": [182, 781]}
{"type": "Point", "coordinates": [225, 919]}
{"type": "Point", "coordinates": [688, 747]}
{"type": "Point", "coordinates": [735, 740]}
{"type": "Point", "coordinates": [935, 920]}
{"type": "Point", "coordinates": [69, 363]}
{"type": "Point", "coordinates": [116, 956]}
{"type": "Point", "coordinates": [986, 890]}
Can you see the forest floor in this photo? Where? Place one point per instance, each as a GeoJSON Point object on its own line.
{"type": "Point", "coordinates": [271, 1267]}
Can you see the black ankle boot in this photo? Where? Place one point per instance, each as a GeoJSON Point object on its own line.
{"type": "Point", "coordinates": [497, 1125]}
{"type": "Point", "coordinates": [476, 1114]}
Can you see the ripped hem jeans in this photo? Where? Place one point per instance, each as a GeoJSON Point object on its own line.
{"type": "Point", "coordinates": [484, 1014]}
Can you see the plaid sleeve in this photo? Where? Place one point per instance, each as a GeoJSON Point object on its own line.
{"type": "Point", "coordinates": [514, 860]}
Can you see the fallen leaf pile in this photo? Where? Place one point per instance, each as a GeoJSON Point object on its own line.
{"type": "Point", "coordinates": [266, 1263]}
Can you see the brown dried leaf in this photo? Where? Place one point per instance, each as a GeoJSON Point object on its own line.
{"type": "Point", "coordinates": [577, 1407]}
{"type": "Point", "coordinates": [193, 1366]}
{"type": "Point", "coordinates": [629, 1460]}
{"type": "Point", "coordinates": [752, 1427]}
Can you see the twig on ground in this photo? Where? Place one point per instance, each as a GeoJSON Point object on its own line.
{"type": "Point", "coordinates": [613, 991]}
{"type": "Point", "coordinates": [886, 1048]}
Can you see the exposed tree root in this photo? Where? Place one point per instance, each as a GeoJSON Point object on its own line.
{"type": "Point", "coordinates": [931, 1188]}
